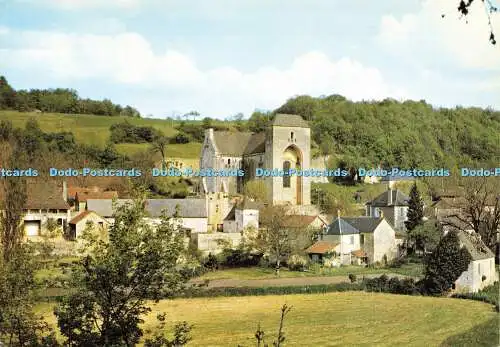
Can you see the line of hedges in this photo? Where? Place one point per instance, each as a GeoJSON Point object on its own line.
{"type": "Point", "coordinates": [258, 291]}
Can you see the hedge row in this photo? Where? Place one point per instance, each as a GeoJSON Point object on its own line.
{"type": "Point", "coordinates": [258, 291]}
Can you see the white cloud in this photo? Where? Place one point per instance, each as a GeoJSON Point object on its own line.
{"type": "Point", "coordinates": [84, 4]}
{"type": "Point", "coordinates": [426, 36]}
{"type": "Point", "coordinates": [128, 58]}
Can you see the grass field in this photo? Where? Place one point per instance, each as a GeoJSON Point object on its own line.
{"type": "Point", "coordinates": [334, 319]}
{"type": "Point", "coordinates": [265, 273]}
{"type": "Point", "coordinates": [94, 130]}
{"type": "Point", "coordinates": [190, 151]}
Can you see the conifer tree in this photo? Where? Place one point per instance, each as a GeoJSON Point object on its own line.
{"type": "Point", "coordinates": [415, 209]}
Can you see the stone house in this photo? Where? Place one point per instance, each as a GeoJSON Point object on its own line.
{"type": "Point", "coordinates": [80, 195]}
{"type": "Point", "coordinates": [243, 215]}
{"type": "Point", "coordinates": [78, 224]}
{"type": "Point", "coordinates": [393, 205]}
{"type": "Point", "coordinates": [192, 213]}
{"type": "Point", "coordinates": [45, 200]}
{"type": "Point", "coordinates": [360, 240]}
{"type": "Point", "coordinates": [481, 271]}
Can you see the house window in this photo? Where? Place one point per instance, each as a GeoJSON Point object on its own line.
{"type": "Point", "coordinates": [402, 212]}
{"type": "Point", "coordinates": [101, 224]}
{"type": "Point", "coordinates": [362, 239]}
{"type": "Point", "coordinates": [286, 176]}
{"type": "Point", "coordinates": [228, 161]}
{"type": "Point", "coordinates": [52, 211]}
{"type": "Point", "coordinates": [479, 268]}
{"type": "Point", "coordinates": [351, 240]}
{"type": "Point", "coordinates": [291, 136]}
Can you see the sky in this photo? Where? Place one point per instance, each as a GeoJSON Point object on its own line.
{"type": "Point", "coordinates": [223, 57]}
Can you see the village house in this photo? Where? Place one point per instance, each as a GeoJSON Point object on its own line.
{"type": "Point", "coordinates": [45, 201]}
{"type": "Point", "coordinates": [243, 215]}
{"type": "Point", "coordinates": [191, 213]}
{"type": "Point", "coordinates": [356, 240]}
{"type": "Point", "coordinates": [394, 206]}
{"type": "Point", "coordinates": [481, 271]}
{"type": "Point", "coordinates": [79, 196]}
{"type": "Point", "coordinates": [78, 224]}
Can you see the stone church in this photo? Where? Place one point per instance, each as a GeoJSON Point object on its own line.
{"type": "Point", "coordinates": [286, 144]}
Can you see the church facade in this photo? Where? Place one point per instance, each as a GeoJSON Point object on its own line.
{"type": "Point", "coordinates": [284, 145]}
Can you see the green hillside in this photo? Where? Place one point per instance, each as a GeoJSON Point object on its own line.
{"type": "Point", "coordinates": [94, 130]}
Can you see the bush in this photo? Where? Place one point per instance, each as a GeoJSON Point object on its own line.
{"type": "Point", "coordinates": [211, 263]}
{"type": "Point", "coordinates": [394, 285]}
{"type": "Point", "coordinates": [297, 263]}
{"type": "Point", "coordinates": [181, 137]}
{"type": "Point", "coordinates": [352, 278]}
{"type": "Point", "coordinates": [239, 258]}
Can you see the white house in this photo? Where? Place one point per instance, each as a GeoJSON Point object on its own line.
{"type": "Point", "coordinates": [78, 224]}
{"type": "Point", "coordinates": [45, 201]}
{"type": "Point", "coordinates": [192, 213]}
{"type": "Point", "coordinates": [481, 271]}
{"type": "Point", "coordinates": [243, 215]}
{"type": "Point", "coordinates": [357, 240]}
{"type": "Point", "coordinates": [393, 204]}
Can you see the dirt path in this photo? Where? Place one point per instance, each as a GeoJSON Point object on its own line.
{"type": "Point", "coordinates": [283, 282]}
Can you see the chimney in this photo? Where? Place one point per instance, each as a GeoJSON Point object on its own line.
{"type": "Point", "coordinates": [65, 191]}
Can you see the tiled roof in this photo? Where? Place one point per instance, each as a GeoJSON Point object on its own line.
{"type": "Point", "coordinates": [104, 207]}
{"type": "Point", "coordinates": [475, 246]}
{"type": "Point", "coordinates": [322, 247]}
{"type": "Point", "coordinates": [247, 204]}
{"type": "Point", "coordinates": [82, 216]}
{"type": "Point", "coordinates": [359, 253]}
{"type": "Point", "coordinates": [45, 195]}
{"type": "Point", "coordinates": [340, 226]}
{"type": "Point", "coordinates": [72, 190]}
{"type": "Point", "coordinates": [364, 224]}
{"type": "Point", "coordinates": [188, 208]}
{"type": "Point", "coordinates": [85, 195]}
{"type": "Point", "coordinates": [398, 198]}
{"type": "Point", "coordinates": [353, 225]}
{"type": "Point", "coordinates": [237, 144]}
{"type": "Point", "coordinates": [289, 120]}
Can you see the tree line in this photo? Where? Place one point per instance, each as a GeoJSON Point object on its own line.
{"type": "Point", "coordinates": [58, 100]}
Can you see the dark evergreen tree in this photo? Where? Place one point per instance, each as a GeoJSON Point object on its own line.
{"type": "Point", "coordinates": [415, 209]}
{"type": "Point", "coordinates": [445, 265]}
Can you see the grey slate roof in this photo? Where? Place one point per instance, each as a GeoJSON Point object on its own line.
{"type": "Point", "coordinates": [188, 208]}
{"type": "Point", "coordinates": [239, 143]}
{"type": "Point", "coordinates": [364, 224]}
{"type": "Point", "coordinates": [353, 225]}
{"type": "Point", "coordinates": [475, 246]}
{"type": "Point", "coordinates": [289, 120]}
{"type": "Point", "coordinates": [340, 226]}
{"type": "Point", "coordinates": [104, 207]}
{"type": "Point", "coordinates": [398, 199]}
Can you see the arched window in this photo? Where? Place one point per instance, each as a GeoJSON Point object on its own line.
{"type": "Point", "coordinates": [286, 176]}
{"type": "Point", "coordinates": [291, 136]}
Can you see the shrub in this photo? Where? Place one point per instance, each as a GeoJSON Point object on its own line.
{"type": "Point", "coordinates": [352, 278]}
{"type": "Point", "coordinates": [211, 263]}
{"type": "Point", "coordinates": [394, 285]}
{"type": "Point", "coordinates": [297, 262]}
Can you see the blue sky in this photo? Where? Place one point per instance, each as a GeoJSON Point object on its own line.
{"type": "Point", "coordinates": [224, 57]}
